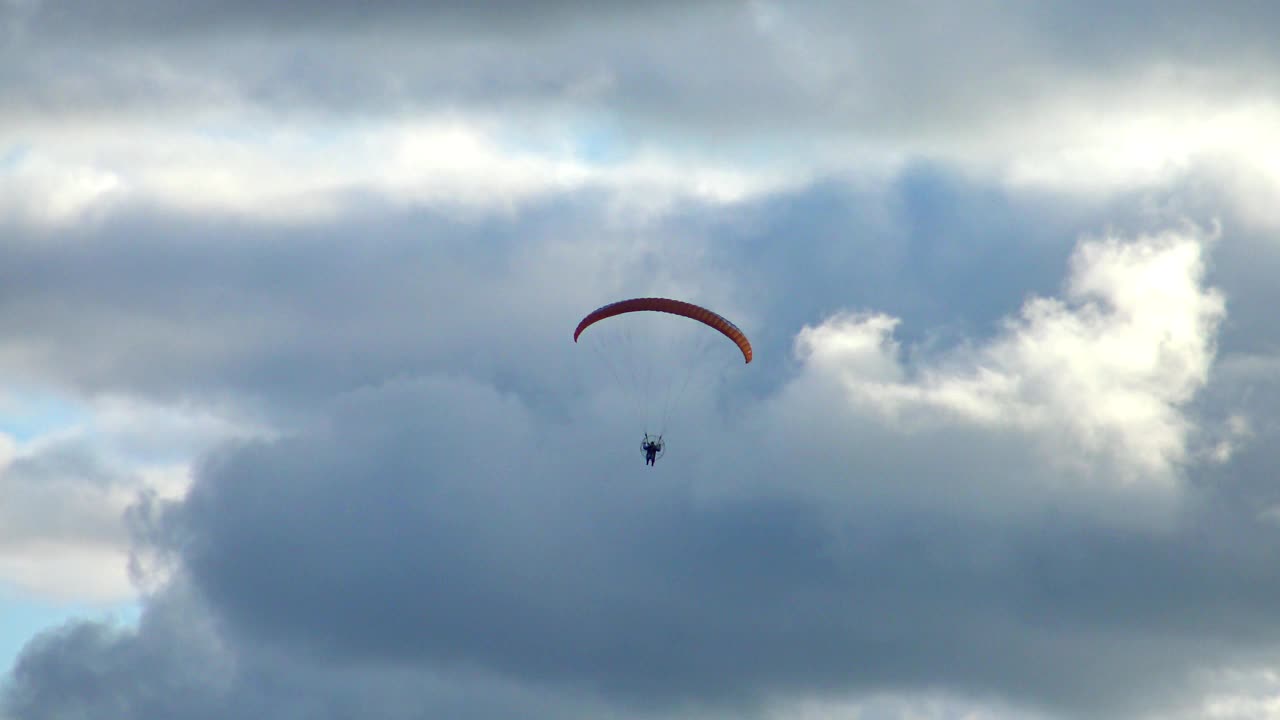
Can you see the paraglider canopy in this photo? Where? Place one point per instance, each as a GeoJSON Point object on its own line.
{"type": "Point", "coordinates": [674, 307]}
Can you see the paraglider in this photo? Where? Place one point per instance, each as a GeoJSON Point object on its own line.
{"type": "Point", "coordinates": [653, 448]}
{"type": "Point", "coordinates": [625, 365]}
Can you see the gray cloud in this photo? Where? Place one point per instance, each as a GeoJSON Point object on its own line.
{"type": "Point", "coordinates": [455, 521]}
{"type": "Point", "coordinates": [888, 72]}
{"type": "Point", "coordinates": [287, 312]}
{"type": "Point", "coordinates": [81, 667]}
{"type": "Point", "coordinates": [439, 524]}
{"type": "Point", "coordinates": [185, 671]}
{"type": "Point", "coordinates": [59, 491]}
{"type": "Point", "coordinates": [216, 308]}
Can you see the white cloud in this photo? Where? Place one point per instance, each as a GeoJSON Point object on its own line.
{"type": "Point", "coordinates": [68, 488]}
{"type": "Point", "coordinates": [43, 190]}
{"type": "Point", "coordinates": [1125, 136]}
{"type": "Point", "coordinates": [64, 535]}
{"type": "Point", "coordinates": [1241, 693]}
{"type": "Point", "coordinates": [900, 706]}
{"type": "Point", "coordinates": [310, 172]}
{"type": "Point", "coordinates": [1085, 393]}
{"type": "Point", "coordinates": [1091, 146]}
{"type": "Point", "coordinates": [74, 571]}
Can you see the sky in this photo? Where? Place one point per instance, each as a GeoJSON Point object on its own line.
{"type": "Point", "coordinates": [293, 425]}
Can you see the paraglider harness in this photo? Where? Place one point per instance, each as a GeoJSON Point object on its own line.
{"type": "Point", "coordinates": [653, 448]}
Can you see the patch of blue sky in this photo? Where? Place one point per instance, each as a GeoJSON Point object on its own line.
{"type": "Point", "coordinates": [11, 156]}
{"type": "Point", "coordinates": [590, 141]}
{"type": "Point", "coordinates": [599, 144]}
{"type": "Point", "coordinates": [28, 414]}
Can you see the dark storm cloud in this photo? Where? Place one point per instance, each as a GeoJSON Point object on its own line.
{"type": "Point", "coordinates": [81, 667]}
{"type": "Point", "coordinates": [444, 525]}
{"type": "Point", "coordinates": [76, 58]}
{"type": "Point", "coordinates": [311, 310]}
{"type": "Point", "coordinates": [440, 524]}
{"type": "Point", "coordinates": [210, 16]}
{"type": "Point", "coordinates": [457, 520]}
{"type": "Point", "coordinates": [185, 672]}
{"type": "Point", "coordinates": [169, 307]}
{"type": "Point", "coordinates": [887, 70]}
{"type": "Point", "coordinates": [451, 501]}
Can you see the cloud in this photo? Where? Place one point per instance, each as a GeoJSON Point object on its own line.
{"type": "Point", "coordinates": [63, 532]}
{"type": "Point", "coordinates": [426, 524]}
{"type": "Point", "coordinates": [321, 266]}
{"type": "Point", "coordinates": [376, 104]}
{"type": "Point", "coordinates": [88, 668]}
{"type": "Point", "coordinates": [68, 491]}
{"type": "Point", "coordinates": [423, 522]}
{"type": "Point", "coordinates": [319, 172]}
{"type": "Point", "coordinates": [1076, 397]}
